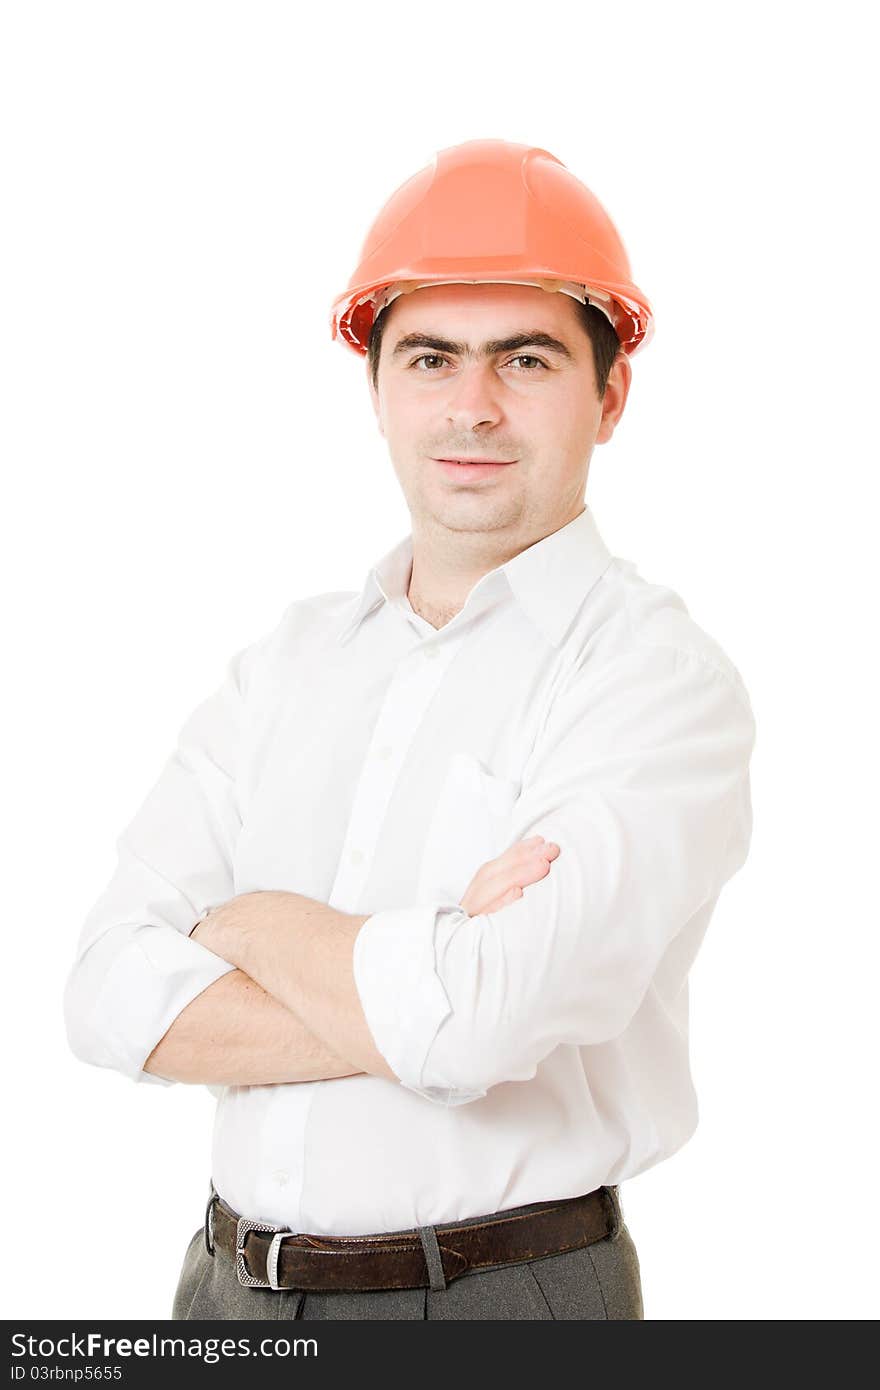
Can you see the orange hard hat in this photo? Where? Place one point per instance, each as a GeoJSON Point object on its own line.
{"type": "Point", "coordinates": [489, 211]}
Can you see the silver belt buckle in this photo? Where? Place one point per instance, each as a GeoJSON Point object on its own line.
{"type": "Point", "coordinates": [248, 1280]}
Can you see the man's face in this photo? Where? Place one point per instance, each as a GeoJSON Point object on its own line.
{"type": "Point", "coordinates": [447, 392]}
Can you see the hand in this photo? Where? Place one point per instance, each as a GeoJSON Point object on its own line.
{"type": "Point", "coordinates": [207, 931]}
{"type": "Point", "coordinates": [501, 881]}
{"type": "Point", "coordinates": [200, 930]}
{"type": "Point", "coordinates": [225, 928]}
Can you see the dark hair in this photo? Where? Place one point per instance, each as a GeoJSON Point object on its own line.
{"type": "Point", "coordinates": [601, 334]}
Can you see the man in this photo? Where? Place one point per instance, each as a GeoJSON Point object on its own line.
{"type": "Point", "coordinates": [418, 893]}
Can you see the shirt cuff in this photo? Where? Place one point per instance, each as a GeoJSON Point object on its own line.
{"type": "Point", "coordinates": [402, 996]}
{"type": "Point", "coordinates": [147, 986]}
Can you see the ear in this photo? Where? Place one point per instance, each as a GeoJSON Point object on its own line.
{"type": "Point", "coordinates": [614, 400]}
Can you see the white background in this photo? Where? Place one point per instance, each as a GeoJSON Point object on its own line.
{"type": "Point", "coordinates": [186, 189]}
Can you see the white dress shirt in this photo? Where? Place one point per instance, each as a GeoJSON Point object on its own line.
{"type": "Point", "coordinates": [360, 756]}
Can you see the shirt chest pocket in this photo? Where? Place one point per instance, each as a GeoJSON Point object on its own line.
{"type": "Point", "coordinates": [470, 823]}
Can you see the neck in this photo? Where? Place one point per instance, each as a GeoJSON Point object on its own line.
{"type": "Point", "coordinates": [443, 574]}
{"type": "Point", "coordinates": [440, 579]}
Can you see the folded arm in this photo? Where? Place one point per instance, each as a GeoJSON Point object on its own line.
{"type": "Point", "coordinates": [299, 950]}
{"type": "Point", "coordinates": [234, 1033]}
{"type": "Point", "coordinates": [641, 779]}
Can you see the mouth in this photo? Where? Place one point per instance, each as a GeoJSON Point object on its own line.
{"type": "Point", "coordinates": [469, 468]}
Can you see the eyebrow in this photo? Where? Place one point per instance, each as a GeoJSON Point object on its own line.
{"type": "Point", "coordinates": [534, 338]}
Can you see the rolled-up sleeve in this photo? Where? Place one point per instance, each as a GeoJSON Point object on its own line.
{"type": "Point", "coordinates": [136, 967]}
{"type": "Point", "coordinates": [641, 776]}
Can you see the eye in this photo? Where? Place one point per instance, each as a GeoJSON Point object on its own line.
{"type": "Point", "coordinates": [435, 357]}
{"type": "Point", "coordinates": [526, 357]}
{"type": "Point", "coordinates": [427, 357]}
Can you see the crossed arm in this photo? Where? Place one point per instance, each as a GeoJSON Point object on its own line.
{"type": "Point", "coordinates": [642, 773]}
{"type": "Point", "coordinates": [291, 1011]}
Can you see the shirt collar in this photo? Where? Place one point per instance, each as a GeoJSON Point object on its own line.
{"type": "Point", "coordinates": [549, 579]}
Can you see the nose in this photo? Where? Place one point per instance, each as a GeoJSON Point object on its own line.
{"type": "Point", "coordinates": [474, 398]}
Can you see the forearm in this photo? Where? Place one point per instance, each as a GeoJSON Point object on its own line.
{"type": "Point", "coordinates": [234, 1033]}
{"type": "Point", "coordinates": [300, 950]}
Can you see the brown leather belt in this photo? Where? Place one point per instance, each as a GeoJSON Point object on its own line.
{"type": "Point", "coordinates": [270, 1256]}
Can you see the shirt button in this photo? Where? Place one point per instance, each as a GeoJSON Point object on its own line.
{"type": "Point", "coordinates": [356, 856]}
{"type": "Point", "coordinates": [430, 653]}
{"type": "Point", "coordinates": [383, 752]}
{"type": "Point", "coordinates": [282, 1178]}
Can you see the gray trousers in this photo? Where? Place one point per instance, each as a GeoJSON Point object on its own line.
{"type": "Point", "coordinates": [599, 1281]}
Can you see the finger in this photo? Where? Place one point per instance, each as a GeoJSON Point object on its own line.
{"type": "Point", "coordinates": [522, 863]}
{"type": "Point", "coordinates": [526, 849]}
